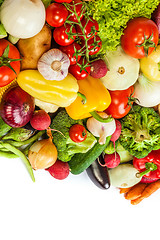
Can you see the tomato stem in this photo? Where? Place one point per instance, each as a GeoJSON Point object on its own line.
{"type": "Point", "coordinates": [148, 43]}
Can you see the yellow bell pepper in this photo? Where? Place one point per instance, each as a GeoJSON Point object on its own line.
{"type": "Point", "coordinates": [97, 99]}
{"type": "Point", "coordinates": [61, 93]}
{"type": "Point", "coordinates": [150, 65]}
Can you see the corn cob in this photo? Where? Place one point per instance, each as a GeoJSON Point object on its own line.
{"type": "Point", "coordinates": [3, 89]}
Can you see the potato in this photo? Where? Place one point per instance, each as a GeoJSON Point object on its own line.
{"type": "Point", "coordinates": [31, 49]}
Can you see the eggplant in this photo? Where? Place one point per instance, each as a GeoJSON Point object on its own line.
{"type": "Point", "coordinates": [99, 174]}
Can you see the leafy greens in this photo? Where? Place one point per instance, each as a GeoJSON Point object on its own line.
{"type": "Point", "coordinates": [113, 15]}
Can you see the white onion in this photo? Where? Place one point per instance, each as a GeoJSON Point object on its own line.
{"type": "Point", "coordinates": [23, 18]}
{"type": "Point", "coordinates": [147, 92]}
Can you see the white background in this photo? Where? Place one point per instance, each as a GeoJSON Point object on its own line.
{"type": "Point", "coordinates": [68, 209]}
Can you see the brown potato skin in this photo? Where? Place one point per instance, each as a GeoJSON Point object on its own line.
{"type": "Point", "coordinates": [31, 49]}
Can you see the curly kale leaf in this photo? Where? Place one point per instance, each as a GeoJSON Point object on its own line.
{"type": "Point", "coordinates": [113, 15]}
{"type": "Point", "coordinates": [65, 146]}
{"type": "Point", "coordinates": [140, 131]}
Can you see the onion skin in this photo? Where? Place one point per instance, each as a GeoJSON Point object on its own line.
{"type": "Point", "coordinates": [23, 19]}
{"type": "Point", "coordinates": [42, 154]}
{"type": "Point", "coordinates": [16, 107]}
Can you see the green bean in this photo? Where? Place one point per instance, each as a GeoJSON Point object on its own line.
{"type": "Point", "coordinates": [7, 154]}
{"type": "Point", "coordinates": [21, 156]}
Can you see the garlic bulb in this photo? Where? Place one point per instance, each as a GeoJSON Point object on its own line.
{"type": "Point", "coordinates": [53, 65]}
{"type": "Point", "coordinates": [100, 129]}
{"type": "Point", "coordinates": [23, 18]}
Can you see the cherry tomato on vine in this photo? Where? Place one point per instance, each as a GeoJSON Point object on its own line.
{"type": "Point", "coordinates": [56, 14]}
{"type": "Point", "coordinates": [80, 70]}
{"type": "Point", "coordinates": [8, 67]}
{"type": "Point", "coordinates": [76, 6]}
{"type": "Point", "coordinates": [61, 37]}
{"type": "Point", "coordinates": [90, 27]}
{"type": "Point", "coordinates": [140, 37]}
{"type": "Point", "coordinates": [62, 1]}
{"type": "Point", "coordinates": [77, 133]}
{"type": "Point", "coordinates": [94, 45]}
{"type": "Point", "coordinates": [70, 50]}
{"type": "Point", "coordinates": [119, 106]}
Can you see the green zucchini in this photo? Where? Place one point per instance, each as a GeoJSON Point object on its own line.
{"type": "Point", "coordinates": [81, 161]}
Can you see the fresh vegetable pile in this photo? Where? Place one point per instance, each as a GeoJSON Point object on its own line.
{"type": "Point", "coordinates": [80, 90]}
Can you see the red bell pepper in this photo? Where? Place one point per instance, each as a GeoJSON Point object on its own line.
{"type": "Point", "coordinates": [149, 166]}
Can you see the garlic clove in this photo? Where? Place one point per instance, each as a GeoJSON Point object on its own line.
{"type": "Point", "coordinates": [53, 65]}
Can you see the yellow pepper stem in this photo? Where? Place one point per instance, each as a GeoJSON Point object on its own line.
{"type": "Point", "coordinates": [84, 99]}
{"type": "Point", "coordinates": [101, 119]}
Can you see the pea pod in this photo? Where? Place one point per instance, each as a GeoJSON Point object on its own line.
{"type": "Point", "coordinates": [4, 128]}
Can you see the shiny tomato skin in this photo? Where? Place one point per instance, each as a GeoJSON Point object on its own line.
{"type": "Point", "coordinates": [7, 75]}
{"type": "Point", "coordinates": [60, 36]}
{"type": "Point", "coordinates": [77, 133]}
{"type": "Point", "coordinates": [88, 28]}
{"type": "Point", "coordinates": [78, 7]}
{"type": "Point", "coordinates": [75, 70]}
{"type": "Point", "coordinates": [94, 45]}
{"type": "Point", "coordinates": [134, 35]}
{"type": "Point", "coordinates": [56, 14]}
{"type": "Point", "coordinates": [119, 106]}
{"type": "Point", "coordinates": [70, 50]}
{"type": "Point", "coordinates": [62, 1]}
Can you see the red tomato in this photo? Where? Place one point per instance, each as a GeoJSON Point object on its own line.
{"type": "Point", "coordinates": [62, 1]}
{"type": "Point", "coordinates": [77, 133]}
{"type": "Point", "coordinates": [119, 106]}
{"type": "Point", "coordinates": [75, 6]}
{"type": "Point", "coordinates": [7, 74]}
{"type": "Point", "coordinates": [76, 69]}
{"type": "Point", "coordinates": [94, 45]}
{"type": "Point", "coordinates": [61, 37]}
{"type": "Point", "coordinates": [90, 28]}
{"type": "Point", "coordinates": [70, 50]}
{"type": "Point", "coordinates": [140, 37]}
{"type": "Point", "coordinates": [56, 14]}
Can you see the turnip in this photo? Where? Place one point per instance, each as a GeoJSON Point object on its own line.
{"type": "Point", "coordinates": [98, 68]}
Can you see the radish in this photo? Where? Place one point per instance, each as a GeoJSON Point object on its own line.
{"type": "Point", "coordinates": [59, 170]}
{"type": "Point", "coordinates": [40, 120]}
{"type": "Point", "coordinates": [98, 68]}
{"type": "Point", "coordinates": [117, 132]}
{"type": "Point", "coordinates": [111, 160]}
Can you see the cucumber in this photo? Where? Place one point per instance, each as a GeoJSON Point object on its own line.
{"type": "Point", "coordinates": [4, 128]}
{"type": "Point", "coordinates": [81, 161]}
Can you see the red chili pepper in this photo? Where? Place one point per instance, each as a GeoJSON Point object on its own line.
{"type": "Point", "coordinates": [149, 166]}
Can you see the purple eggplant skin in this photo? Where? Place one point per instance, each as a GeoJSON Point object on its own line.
{"type": "Point", "coordinates": [99, 174]}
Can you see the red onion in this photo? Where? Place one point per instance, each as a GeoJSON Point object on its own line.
{"type": "Point", "coordinates": [16, 107]}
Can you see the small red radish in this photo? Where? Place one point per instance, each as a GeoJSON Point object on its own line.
{"type": "Point", "coordinates": [117, 132]}
{"type": "Point", "coordinates": [111, 160]}
{"type": "Point", "coordinates": [98, 68]}
{"type": "Point", "coordinates": [40, 120]}
{"type": "Point", "coordinates": [59, 170]}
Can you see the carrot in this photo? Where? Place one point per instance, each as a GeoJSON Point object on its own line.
{"type": "Point", "coordinates": [135, 191]}
{"type": "Point", "coordinates": [150, 189]}
{"type": "Point", "coordinates": [136, 201]}
{"type": "Point", "coordinates": [124, 190]}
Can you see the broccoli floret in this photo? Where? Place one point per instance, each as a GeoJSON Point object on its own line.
{"type": "Point", "coordinates": [140, 131]}
{"type": "Point", "coordinates": [65, 146]}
